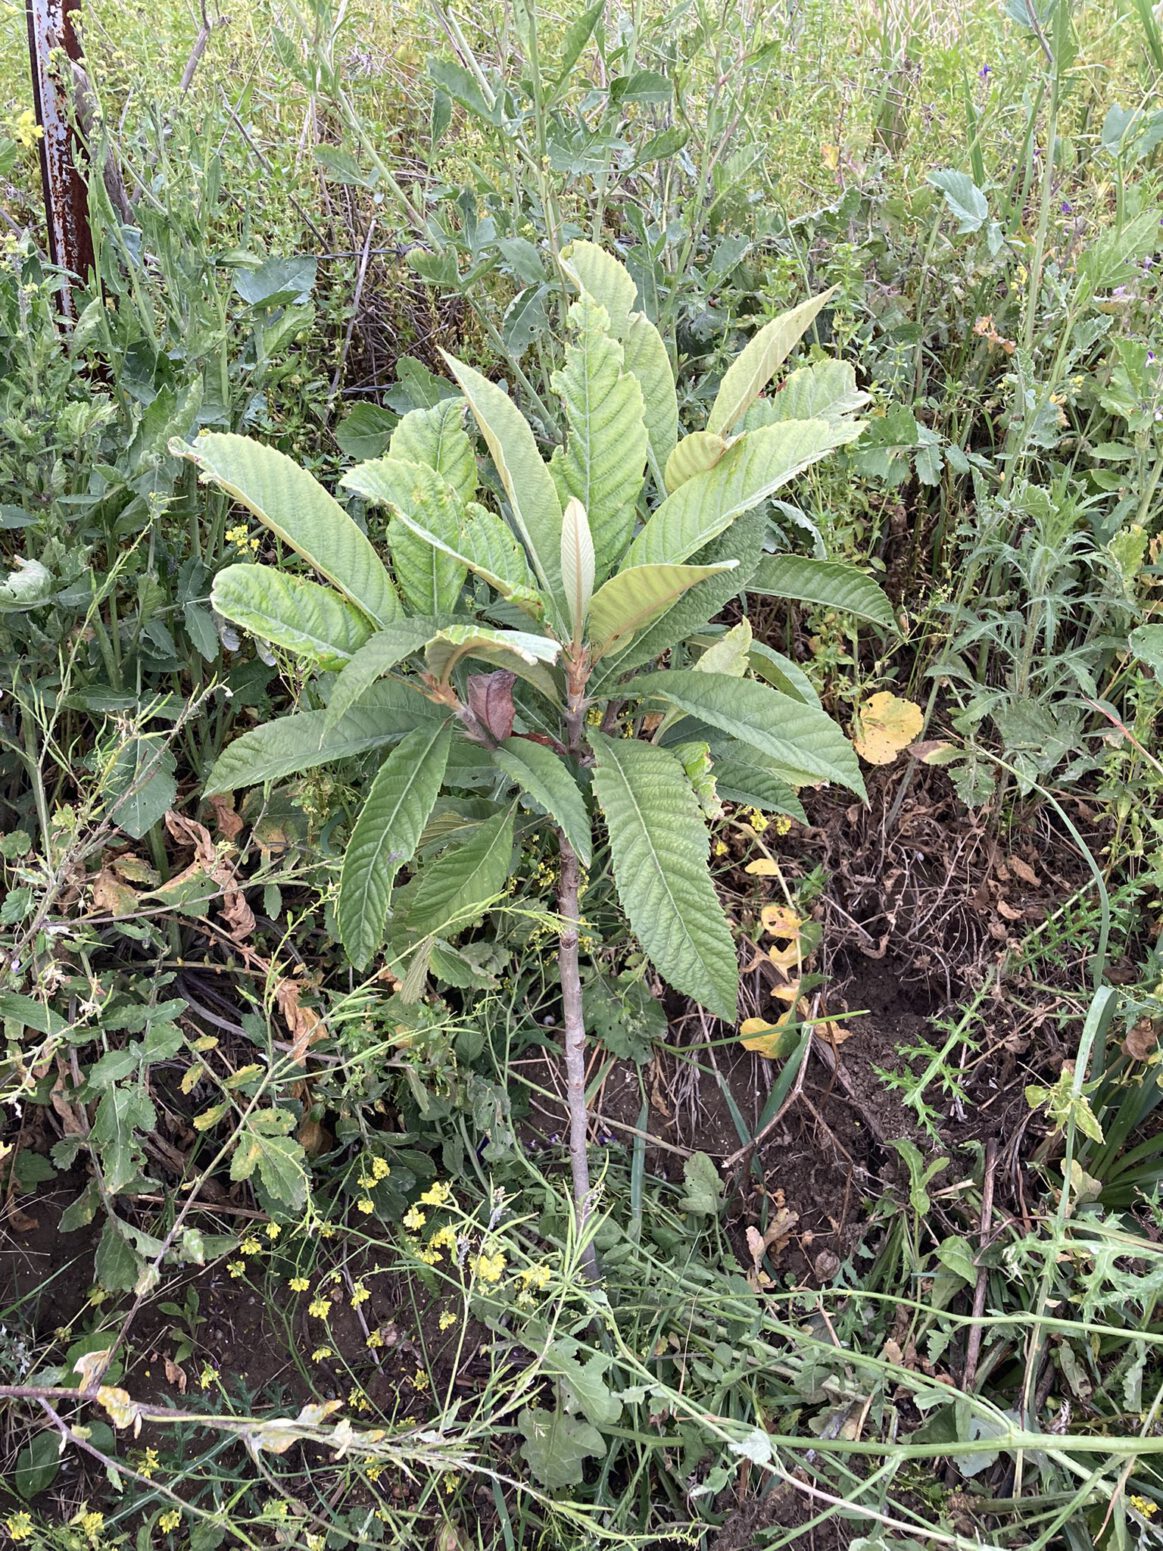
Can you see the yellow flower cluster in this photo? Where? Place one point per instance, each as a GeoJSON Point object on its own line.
{"type": "Point", "coordinates": [19, 1526]}
{"type": "Point", "coordinates": [489, 1268]}
{"type": "Point", "coordinates": [24, 129]}
{"type": "Point", "coordinates": [240, 537]}
{"type": "Point", "coordinates": [169, 1520]}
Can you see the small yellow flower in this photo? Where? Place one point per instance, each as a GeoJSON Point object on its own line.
{"type": "Point", "coordinates": [298, 1284]}
{"type": "Point", "coordinates": [207, 1377]}
{"type": "Point", "coordinates": [169, 1520]}
{"type": "Point", "coordinates": [319, 1307]}
{"type": "Point", "coordinates": [273, 1229]}
{"type": "Point", "coordinates": [236, 1267]}
{"type": "Point", "coordinates": [19, 1526]}
{"type": "Point", "coordinates": [1143, 1506]}
{"type": "Point", "coordinates": [360, 1294]}
{"type": "Point", "coordinates": [366, 1182]}
{"type": "Point", "coordinates": [250, 1247]}
{"type": "Point", "coordinates": [321, 1354]}
{"type": "Point", "coordinates": [315, 1542]}
{"type": "Point", "coordinates": [25, 130]}
{"type": "Point", "coordinates": [89, 1522]}
{"type": "Point", "coordinates": [447, 1320]}
{"type": "Point", "coordinates": [536, 1276]}
{"type": "Point", "coordinates": [720, 848]}
{"type": "Point", "coordinates": [414, 1218]}
{"type": "Point", "coordinates": [326, 1230]}
{"type": "Point", "coordinates": [374, 1472]}
{"type": "Point", "coordinates": [437, 1194]}
{"type": "Point", "coordinates": [443, 1238]}
{"type": "Point", "coordinates": [380, 1168]}
{"type": "Point", "coordinates": [426, 1257]}
{"type": "Point", "coordinates": [148, 1464]}
{"type": "Point", "coordinates": [489, 1267]}
{"type": "Point", "coordinates": [758, 821]}
{"type": "Point", "coordinates": [420, 1380]}
{"type": "Point", "coordinates": [374, 1340]}
{"type": "Point", "coordinates": [365, 1204]}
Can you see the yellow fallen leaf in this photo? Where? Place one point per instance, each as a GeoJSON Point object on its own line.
{"type": "Point", "coordinates": [772, 1041]}
{"type": "Point", "coordinates": [789, 993]}
{"type": "Point", "coordinates": [780, 921]}
{"type": "Point", "coordinates": [762, 868]}
{"type": "Point", "coordinates": [785, 958]}
{"type": "Point", "coordinates": [886, 724]}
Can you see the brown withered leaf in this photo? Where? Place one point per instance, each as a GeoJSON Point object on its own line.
{"type": "Point", "coordinates": [175, 1374]}
{"type": "Point", "coordinates": [1024, 872]}
{"type": "Point", "coordinates": [112, 897]}
{"type": "Point", "coordinates": [490, 699]}
{"type": "Point", "coordinates": [1007, 911]}
{"type": "Point", "coordinates": [314, 1139]}
{"type": "Point", "coordinates": [18, 1221]}
{"type": "Point", "coordinates": [305, 1024]}
{"type": "Point", "coordinates": [226, 819]}
{"type": "Point", "coordinates": [239, 917]}
{"type": "Point", "coordinates": [1142, 1040]}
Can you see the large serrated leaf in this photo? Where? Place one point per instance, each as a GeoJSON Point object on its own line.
{"type": "Point", "coordinates": [556, 1446]}
{"type": "Point", "coordinates": [743, 774]}
{"type": "Point", "coordinates": [827, 583]}
{"type": "Point", "coordinates": [375, 657]}
{"type": "Point", "coordinates": [544, 776]}
{"type": "Point", "coordinates": [385, 836]}
{"type": "Point", "coordinates": [659, 846]}
{"type": "Point", "coordinates": [825, 390]}
{"type": "Point", "coordinates": [752, 469]}
{"type": "Point", "coordinates": [523, 653]}
{"type": "Point", "coordinates": [743, 542]}
{"type": "Point", "coordinates": [804, 745]}
{"type": "Point", "coordinates": [454, 889]}
{"type": "Point", "coordinates": [756, 364]}
{"type": "Point", "coordinates": [429, 576]}
{"type": "Point", "coordinates": [603, 462]}
{"type": "Point", "coordinates": [436, 436]}
{"type": "Point", "coordinates": [297, 509]}
{"type": "Point", "coordinates": [631, 600]}
{"type": "Point", "coordinates": [298, 742]}
{"type": "Point", "coordinates": [528, 484]}
{"type": "Point", "coordinates": [314, 622]}
{"type": "Point", "coordinates": [645, 357]}
{"type": "Point", "coordinates": [598, 274]}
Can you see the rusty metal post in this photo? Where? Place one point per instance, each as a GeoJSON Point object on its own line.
{"type": "Point", "coordinates": [66, 194]}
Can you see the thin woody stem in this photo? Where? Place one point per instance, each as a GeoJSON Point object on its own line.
{"type": "Point", "coordinates": [575, 1047]}
{"type": "Point", "coordinates": [573, 1019]}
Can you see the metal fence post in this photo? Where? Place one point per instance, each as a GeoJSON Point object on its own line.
{"type": "Point", "coordinates": [66, 195]}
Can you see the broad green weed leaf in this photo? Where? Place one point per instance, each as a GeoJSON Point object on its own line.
{"type": "Point", "coordinates": [299, 742]}
{"type": "Point", "coordinates": [517, 650]}
{"type": "Point", "coordinates": [528, 484]}
{"type": "Point", "coordinates": [297, 509]}
{"type": "Point", "coordinates": [744, 543]}
{"type": "Point", "coordinates": [385, 836]}
{"type": "Point", "coordinates": [751, 371]}
{"type": "Point", "coordinates": [454, 889]}
{"type": "Point", "coordinates": [545, 777]}
{"type": "Point", "coordinates": [645, 357]}
{"type": "Point", "coordinates": [829, 584]}
{"type": "Point", "coordinates": [631, 600]}
{"type": "Point", "coordinates": [122, 1115]}
{"type": "Point", "coordinates": [695, 454]}
{"type": "Point", "coordinates": [557, 1446]}
{"type": "Point", "coordinates": [659, 846]}
{"type": "Point", "coordinates": [751, 470]}
{"type": "Point", "coordinates": [428, 574]}
{"type": "Point", "coordinates": [825, 390]}
{"type": "Point", "coordinates": [436, 436]}
{"type": "Point", "coordinates": [804, 744]}
{"type": "Point", "coordinates": [265, 1145]}
{"type": "Point", "coordinates": [489, 548]}
{"type": "Point", "coordinates": [598, 274]}
{"type": "Point", "coordinates": [704, 1188]}
{"type": "Point", "coordinates": [603, 462]}
{"type": "Point", "coordinates": [314, 622]}
{"type": "Point", "coordinates": [375, 657]}
{"type": "Point", "coordinates": [743, 774]}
